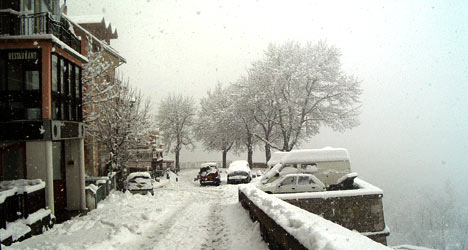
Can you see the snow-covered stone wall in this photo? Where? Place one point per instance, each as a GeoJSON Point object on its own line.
{"type": "Point", "coordinates": [287, 226]}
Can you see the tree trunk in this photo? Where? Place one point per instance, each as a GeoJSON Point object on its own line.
{"type": "Point", "coordinates": [224, 158]}
{"type": "Point", "coordinates": [267, 152]}
{"type": "Point", "coordinates": [249, 150]}
{"type": "Point", "coordinates": [249, 155]}
{"type": "Point", "coordinates": [177, 166]}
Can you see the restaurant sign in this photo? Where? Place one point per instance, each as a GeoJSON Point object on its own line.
{"type": "Point", "coordinates": [22, 55]}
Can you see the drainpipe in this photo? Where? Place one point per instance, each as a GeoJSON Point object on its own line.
{"type": "Point", "coordinates": [49, 177]}
{"type": "Point", "coordinates": [82, 175]}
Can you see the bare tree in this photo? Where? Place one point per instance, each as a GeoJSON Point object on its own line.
{"type": "Point", "coordinates": [175, 118]}
{"type": "Point", "coordinates": [302, 88]}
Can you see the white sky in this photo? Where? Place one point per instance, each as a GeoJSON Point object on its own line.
{"type": "Point", "coordinates": [411, 57]}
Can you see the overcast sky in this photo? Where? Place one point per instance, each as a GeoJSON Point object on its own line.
{"type": "Point", "coordinates": [411, 57]}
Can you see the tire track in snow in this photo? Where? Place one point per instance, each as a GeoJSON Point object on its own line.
{"type": "Point", "coordinates": [218, 235]}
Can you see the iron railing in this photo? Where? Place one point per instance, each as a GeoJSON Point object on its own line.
{"type": "Point", "coordinates": [17, 24]}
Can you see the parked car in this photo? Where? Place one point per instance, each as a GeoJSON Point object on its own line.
{"type": "Point", "coordinates": [293, 183]}
{"type": "Point", "coordinates": [209, 174]}
{"type": "Point", "coordinates": [238, 172]}
{"type": "Point", "coordinates": [327, 164]}
{"type": "Point", "coordinates": [139, 183]}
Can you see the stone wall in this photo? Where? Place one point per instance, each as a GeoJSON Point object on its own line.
{"type": "Point", "coordinates": [363, 213]}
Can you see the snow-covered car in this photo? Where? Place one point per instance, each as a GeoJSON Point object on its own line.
{"type": "Point", "coordinates": [139, 183]}
{"type": "Point", "coordinates": [327, 164]}
{"type": "Point", "coordinates": [209, 174]}
{"type": "Point", "coordinates": [238, 172]}
{"type": "Point", "coordinates": [293, 183]}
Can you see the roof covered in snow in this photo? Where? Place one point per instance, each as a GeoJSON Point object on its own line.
{"type": "Point", "coordinates": [90, 19]}
{"type": "Point", "coordinates": [316, 155]}
{"type": "Point", "coordinates": [276, 158]}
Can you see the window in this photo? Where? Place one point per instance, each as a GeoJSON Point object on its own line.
{"type": "Point", "coordinates": [20, 85]}
{"type": "Point", "coordinates": [15, 76]}
{"type": "Point", "coordinates": [61, 79]}
{"type": "Point", "coordinates": [289, 181]}
{"type": "Point", "coordinates": [54, 73]}
{"type": "Point", "coordinates": [33, 114]}
{"type": "Point", "coordinates": [77, 82]}
{"type": "Point", "coordinates": [305, 180]}
{"type": "Point", "coordinates": [66, 103]}
{"type": "Point", "coordinates": [32, 80]}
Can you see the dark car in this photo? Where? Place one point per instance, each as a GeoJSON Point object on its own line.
{"type": "Point", "coordinates": [209, 174]}
{"type": "Point", "coordinates": [238, 172]}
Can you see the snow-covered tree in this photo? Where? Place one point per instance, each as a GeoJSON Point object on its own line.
{"type": "Point", "coordinates": [302, 87]}
{"type": "Point", "coordinates": [96, 87]}
{"type": "Point", "coordinates": [175, 119]}
{"type": "Point", "coordinates": [122, 122]}
{"type": "Point", "coordinates": [243, 110]}
{"type": "Point", "coordinates": [217, 126]}
{"type": "Point", "coordinates": [256, 105]}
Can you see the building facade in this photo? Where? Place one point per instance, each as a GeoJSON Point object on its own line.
{"type": "Point", "coordinates": [41, 117]}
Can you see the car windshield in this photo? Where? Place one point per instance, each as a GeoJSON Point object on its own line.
{"type": "Point", "coordinates": [208, 105]}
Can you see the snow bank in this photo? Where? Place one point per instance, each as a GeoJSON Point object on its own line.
{"type": "Point", "coordinates": [17, 229]}
{"type": "Point", "coordinates": [4, 234]}
{"type": "Point", "coordinates": [6, 192]}
{"type": "Point", "coordinates": [309, 229]}
{"type": "Point", "coordinates": [316, 155]}
{"type": "Point", "coordinates": [23, 185]}
{"type": "Point", "coordinates": [38, 215]}
{"type": "Point", "coordinates": [364, 188]}
{"type": "Point", "coordinates": [92, 187]}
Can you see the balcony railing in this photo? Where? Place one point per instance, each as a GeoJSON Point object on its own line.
{"type": "Point", "coordinates": [17, 24]}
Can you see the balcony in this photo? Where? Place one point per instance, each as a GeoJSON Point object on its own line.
{"type": "Point", "coordinates": [14, 23]}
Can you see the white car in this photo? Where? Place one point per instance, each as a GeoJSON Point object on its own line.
{"type": "Point", "coordinates": [294, 183]}
{"type": "Point", "coordinates": [139, 182]}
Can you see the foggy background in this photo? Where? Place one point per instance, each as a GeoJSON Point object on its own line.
{"type": "Point", "coordinates": [411, 58]}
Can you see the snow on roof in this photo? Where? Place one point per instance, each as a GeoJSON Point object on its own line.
{"type": "Point", "coordinates": [276, 158]}
{"type": "Point", "coordinates": [239, 165]}
{"type": "Point", "coordinates": [316, 155]}
{"type": "Point", "coordinates": [59, 42]}
{"type": "Point", "coordinates": [312, 231]}
{"type": "Point", "coordinates": [364, 188]}
{"type": "Point", "coordinates": [89, 19]}
{"type": "Point", "coordinates": [135, 174]}
{"type": "Point", "coordinates": [103, 44]}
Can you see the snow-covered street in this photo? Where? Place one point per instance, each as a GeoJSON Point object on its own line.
{"type": "Point", "coordinates": [181, 215]}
